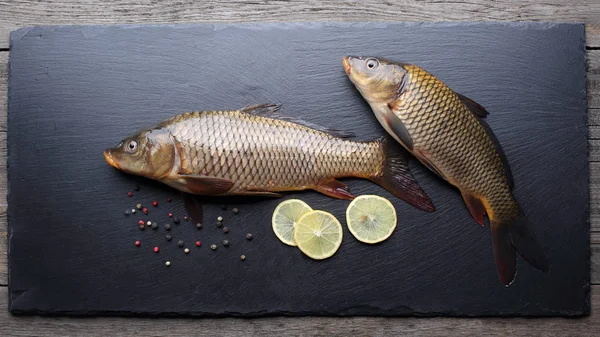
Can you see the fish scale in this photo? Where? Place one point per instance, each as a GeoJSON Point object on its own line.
{"type": "Point", "coordinates": [462, 152]}
{"type": "Point", "coordinates": [270, 146]}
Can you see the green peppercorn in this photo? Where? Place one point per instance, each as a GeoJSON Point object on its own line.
{"type": "Point", "coordinates": [139, 206]}
{"type": "Point", "coordinates": [243, 257]}
{"type": "Point", "coordinates": [142, 227]}
{"type": "Point", "coordinates": [219, 224]}
{"type": "Point", "coordinates": [235, 211]}
{"type": "Point", "coordinates": [213, 247]}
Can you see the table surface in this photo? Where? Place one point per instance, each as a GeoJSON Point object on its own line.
{"type": "Point", "coordinates": [19, 13]}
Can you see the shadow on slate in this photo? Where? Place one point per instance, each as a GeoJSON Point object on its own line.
{"type": "Point", "coordinates": [75, 91]}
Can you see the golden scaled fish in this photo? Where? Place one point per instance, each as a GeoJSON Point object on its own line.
{"type": "Point", "coordinates": [257, 151]}
{"type": "Point", "coordinates": [448, 133]}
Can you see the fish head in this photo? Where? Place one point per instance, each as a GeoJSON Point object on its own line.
{"type": "Point", "coordinates": [378, 80]}
{"type": "Point", "coordinates": [150, 153]}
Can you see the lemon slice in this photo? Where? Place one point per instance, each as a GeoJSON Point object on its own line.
{"type": "Point", "coordinates": [318, 234]}
{"type": "Point", "coordinates": [371, 218]}
{"type": "Point", "coordinates": [285, 217]}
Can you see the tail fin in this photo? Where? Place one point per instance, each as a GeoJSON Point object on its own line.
{"type": "Point", "coordinates": [398, 179]}
{"type": "Point", "coordinates": [511, 236]}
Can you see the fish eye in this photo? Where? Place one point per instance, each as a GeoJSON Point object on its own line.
{"type": "Point", "coordinates": [131, 146]}
{"type": "Point", "coordinates": [372, 63]}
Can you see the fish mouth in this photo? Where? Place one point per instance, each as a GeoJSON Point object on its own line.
{"type": "Point", "coordinates": [347, 65]}
{"type": "Point", "coordinates": [110, 160]}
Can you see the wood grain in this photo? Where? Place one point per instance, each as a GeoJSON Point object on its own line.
{"type": "Point", "coordinates": [301, 326]}
{"type": "Point", "coordinates": [33, 12]}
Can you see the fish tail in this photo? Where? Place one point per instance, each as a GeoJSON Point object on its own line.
{"type": "Point", "coordinates": [510, 237]}
{"type": "Point", "coordinates": [397, 179]}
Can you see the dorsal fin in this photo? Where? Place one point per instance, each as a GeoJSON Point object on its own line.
{"type": "Point", "coordinates": [272, 111]}
{"type": "Point", "coordinates": [490, 133]}
{"type": "Point", "coordinates": [473, 106]}
{"type": "Point", "coordinates": [480, 113]}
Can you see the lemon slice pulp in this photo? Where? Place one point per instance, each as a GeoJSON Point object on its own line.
{"type": "Point", "coordinates": [371, 218]}
{"type": "Point", "coordinates": [318, 234]}
{"type": "Point", "coordinates": [285, 217]}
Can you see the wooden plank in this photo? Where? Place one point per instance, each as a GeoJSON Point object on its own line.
{"type": "Point", "coordinates": [17, 14]}
{"type": "Point", "coordinates": [299, 326]}
{"type": "Point", "coordinates": [593, 84]}
{"type": "Point", "coordinates": [3, 89]}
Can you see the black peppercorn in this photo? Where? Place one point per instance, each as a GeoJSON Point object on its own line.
{"type": "Point", "coordinates": [167, 226]}
{"type": "Point", "coordinates": [235, 211]}
{"type": "Point", "coordinates": [225, 229]}
{"type": "Point", "coordinates": [168, 237]}
{"type": "Point", "coordinates": [127, 212]}
{"type": "Point", "coordinates": [249, 236]}
{"type": "Point", "coordinates": [176, 220]}
{"type": "Point", "coordinates": [154, 225]}
{"type": "Point", "coordinates": [180, 243]}
{"type": "Point", "coordinates": [225, 243]}
{"type": "Point", "coordinates": [219, 224]}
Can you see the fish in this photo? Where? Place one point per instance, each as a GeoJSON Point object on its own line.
{"type": "Point", "coordinates": [258, 151]}
{"type": "Point", "coordinates": [448, 133]}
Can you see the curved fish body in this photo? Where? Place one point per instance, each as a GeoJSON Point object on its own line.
{"type": "Point", "coordinates": [257, 151]}
{"type": "Point", "coordinates": [448, 133]}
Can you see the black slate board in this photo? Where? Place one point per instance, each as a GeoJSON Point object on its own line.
{"type": "Point", "coordinates": [75, 91]}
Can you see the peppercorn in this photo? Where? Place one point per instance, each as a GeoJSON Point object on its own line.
{"type": "Point", "coordinates": [176, 220]}
{"type": "Point", "coordinates": [235, 211]}
{"type": "Point", "coordinates": [213, 247]}
{"type": "Point", "coordinates": [127, 212]}
{"type": "Point", "coordinates": [199, 225]}
{"type": "Point", "coordinates": [168, 263]}
{"type": "Point", "coordinates": [169, 199]}
{"type": "Point", "coordinates": [186, 218]}
{"type": "Point", "coordinates": [129, 194]}
{"type": "Point", "coordinates": [149, 223]}
{"type": "Point", "coordinates": [225, 229]}
{"type": "Point", "coordinates": [145, 210]}
{"type": "Point", "coordinates": [220, 219]}
{"type": "Point", "coordinates": [187, 250]}
{"type": "Point", "coordinates": [198, 243]}
{"type": "Point", "coordinates": [219, 224]}
{"type": "Point", "coordinates": [142, 227]}
{"type": "Point", "coordinates": [155, 249]}
{"type": "Point", "coordinates": [133, 211]}
{"type": "Point", "coordinates": [167, 226]}
{"type": "Point", "coordinates": [170, 215]}
{"type": "Point", "coordinates": [180, 243]}
{"type": "Point", "coordinates": [225, 243]}
{"type": "Point", "coordinates": [249, 236]}
{"type": "Point", "coordinates": [138, 206]}
{"type": "Point", "coordinates": [141, 222]}
{"type": "Point", "coordinates": [168, 237]}
{"type": "Point", "coordinates": [243, 257]}
{"type": "Point", "coordinates": [155, 226]}
{"type": "Point", "coordinates": [138, 243]}
{"type": "Point", "coordinates": [155, 203]}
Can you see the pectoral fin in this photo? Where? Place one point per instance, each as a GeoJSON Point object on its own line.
{"type": "Point", "coordinates": [203, 185]}
{"type": "Point", "coordinates": [193, 206]}
{"type": "Point", "coordinates": [398, 128]}
{"type": "Point", "coordinates": [335, 189]}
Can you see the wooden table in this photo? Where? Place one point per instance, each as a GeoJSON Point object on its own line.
{"type": "Point", "coordinates": [18, 13]}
